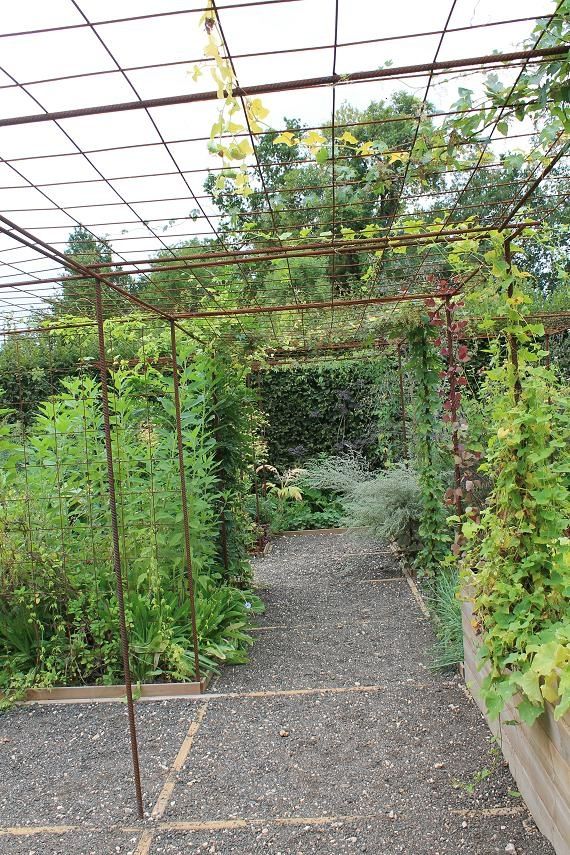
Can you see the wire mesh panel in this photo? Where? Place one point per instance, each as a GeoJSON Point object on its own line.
{"type": "Point", "coordinates": [58, 587]}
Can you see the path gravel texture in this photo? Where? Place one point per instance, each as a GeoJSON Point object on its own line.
{"type": "Point", "coordinates": [337, 737]}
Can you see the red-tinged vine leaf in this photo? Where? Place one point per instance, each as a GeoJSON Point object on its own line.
{"type": "Point", "coordinates": [462, 381]}
{"type": "Point", "coordinates": [444, 352]}
{"type": "Point", "coordinates": [447, 418]}
{"type": "Point", "coordinates": [458, 493]}
{"type": "Point", "coordinates": [437, 342]}
{"type": "Point", "coordinates": [462, 353]}
{"type": "Point", "coordinates": [430, 303]}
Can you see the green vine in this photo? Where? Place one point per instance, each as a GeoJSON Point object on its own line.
{"type": "Point", "coordinates": [426, 367]}
{"type": "Point", "coordinates": [518, 560]}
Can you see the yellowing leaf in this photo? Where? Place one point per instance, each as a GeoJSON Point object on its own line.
{"type": "Point", "coordinates": [549, 688]}
{"type": "Point", "coordinates": [196, 72]}
{"type": "Point", "coordinates": [313, 139]}
{"type": "Point", "coordinates": [255, 108]}
{"type": "Point", "coordinates": [238, 151]}
{"type": "Point", "coordinates": [402, 156]}
{"type": "Point", "coordinates": [347, 137]}
{"type": "Point", "coordinates": [366, 149]}
{"type": "Point", "coordinates": [286, 138]}
{"type": "Point", "coordinates": [212, 50]}
{"type": "Point", "coordinates": [234, 128]}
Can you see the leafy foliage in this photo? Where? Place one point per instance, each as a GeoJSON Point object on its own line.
{"type": "Point", "coordinates": [388, 506]}
{"type": "Point", "coordinates": [518, 562]}
{"type": "Point", "coordinates": [331, 408]}
{"type": "Point", "coordinates": [57, 593]}
{"type": "Point", "coordinates": [426, 367]}
{"type": "Point", "coordinates": [444, 605]}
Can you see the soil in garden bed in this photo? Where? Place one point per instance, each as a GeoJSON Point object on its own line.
{"type": "Point", "coordinates": [336, 738]}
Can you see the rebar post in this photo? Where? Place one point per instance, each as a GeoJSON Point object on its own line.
{"type": "Point", "coordinates": [513, 346]}
{"type": "Point", "coordinates": [184, 498]}
{"type": "Point", "coordinates": [116, 549]}
{"type": "Point", "coordinates": [452, 371]}
{"type": "Point", "coordinates": [220, 462]}
{"type": "Point", "coordinates": [402, 404]}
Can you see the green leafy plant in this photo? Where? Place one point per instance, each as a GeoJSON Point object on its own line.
{"type": "Point", "coordinates": [518, 563]}
{"type": "Point", "coordinates": [387, 505]}
{"type": "Point", "coordinates": [441, 594]}
{"type": "Point", "coordinates": [58, 609]}
{"type": "Point", "coordinates": [426, 367]}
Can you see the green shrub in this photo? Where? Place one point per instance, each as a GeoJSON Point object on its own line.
{"type": "Point", "coordinates": [386, 505]}
{"type": "Point", "coordinates": [316, 509]}
{"type": "Point", "coordinates": [333, 408]}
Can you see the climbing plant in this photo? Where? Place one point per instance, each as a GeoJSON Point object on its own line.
{"type": "Point", "coordinates": [432, 458]}
{"type": "Point", "coordinates": [518, 560]}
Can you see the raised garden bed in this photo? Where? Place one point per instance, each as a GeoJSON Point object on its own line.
{"type": "Point", "coordinates": [538, 756]}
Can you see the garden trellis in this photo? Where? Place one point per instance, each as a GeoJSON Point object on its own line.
{"type": "Point", "coordinates": [390, 232]}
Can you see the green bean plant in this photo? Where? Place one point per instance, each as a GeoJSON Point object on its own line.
{"type": "Point", "coordinates": [517, 565]}
{"type": "Point", "coordinates": [58, 608]}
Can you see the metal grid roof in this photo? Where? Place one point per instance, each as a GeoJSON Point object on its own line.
{"type": "Point", "coordinates": [102, 127]}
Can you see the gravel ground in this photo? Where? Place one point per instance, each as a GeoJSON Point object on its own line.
{"type": "Point", "coordinates": [71, 764]}
{"type": "Point", "coordinates": [396, 769]}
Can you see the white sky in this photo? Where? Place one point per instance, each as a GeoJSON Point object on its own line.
{"type": "Point", "coordinates": [114, 210]}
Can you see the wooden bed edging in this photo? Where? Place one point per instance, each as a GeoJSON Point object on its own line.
{"type": "Point", "coordinates": [538, 756]}
{"type": "Point", "coordinates": [106, 694]}
{"type": "Point", "coordinates": [303, 531]}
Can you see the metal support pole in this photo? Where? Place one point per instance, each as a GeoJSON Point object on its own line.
{"type": "Point", "coordinates": [220, 460]}
{"type": "Point", "coordinates": [513, 346]}
{"type": "Point", "coordinates": [452, 369]}
{"type": "Point", "coordinates": [402, 404]}
{"type": "Point", "coordinates": [116, 549]}
{"type": "Point", "coordinates": [254, 460]}
{"type": "Point", "coordinates": [184, 497]}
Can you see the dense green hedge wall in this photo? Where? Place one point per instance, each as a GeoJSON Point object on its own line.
{"type": "Point", "coordinates": [332, 408]}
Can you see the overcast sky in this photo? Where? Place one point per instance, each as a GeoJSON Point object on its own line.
{"type": "Point", "coordinates": [114, 209]}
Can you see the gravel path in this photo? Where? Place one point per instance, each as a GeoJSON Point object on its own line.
{"type": "Point", "coordinates": [384, 757]}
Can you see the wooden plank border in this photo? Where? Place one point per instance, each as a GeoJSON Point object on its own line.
{"type": "Point", "coordinates": [309, 531]}
{"type": "Point", "coordinates": [538, 756]}
{"type": "Point", "coordinates": [113, 694]}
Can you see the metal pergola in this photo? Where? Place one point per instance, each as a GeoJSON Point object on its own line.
{"type": "Point", "coordinates": [102, 128]}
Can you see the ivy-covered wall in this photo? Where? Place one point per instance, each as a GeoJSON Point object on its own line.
{"type": "Point", "coordinates": [332, 408]}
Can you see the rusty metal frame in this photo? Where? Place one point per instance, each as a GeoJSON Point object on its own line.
{"type": "Point", "coordinates": [99, 279]}
{"type": "Point", "coordinates": [117, 550]}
